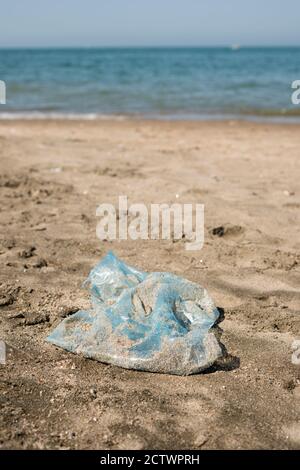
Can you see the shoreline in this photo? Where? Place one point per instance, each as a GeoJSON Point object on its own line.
{"type": "Point", "coordinates": [20, 117]}
{"type": "Point", "coordinates": [144, 120]}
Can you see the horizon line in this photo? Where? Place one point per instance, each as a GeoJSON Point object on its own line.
{"type": "Point", "coordinates": [209, 46]}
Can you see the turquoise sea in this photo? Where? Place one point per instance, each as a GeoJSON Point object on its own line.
{"type": "Point", "coordinates": [176, 83]}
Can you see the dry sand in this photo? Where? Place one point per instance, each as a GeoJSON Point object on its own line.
{"type": "Point", "coordinates": [53, 175]}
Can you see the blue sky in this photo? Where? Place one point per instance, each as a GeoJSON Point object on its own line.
{"type": "Point", "coordinates": [44, 23]}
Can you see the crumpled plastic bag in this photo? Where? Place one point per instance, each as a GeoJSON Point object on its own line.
{"type": "Point", "coordinates": [154, 322]}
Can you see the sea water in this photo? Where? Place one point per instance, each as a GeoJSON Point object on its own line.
{"type": "Point", "coordinates": [171, 83]}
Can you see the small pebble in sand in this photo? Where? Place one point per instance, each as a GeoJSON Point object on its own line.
{"type": "Point", "coordinates": [40, 263]}
{"type": "Point", "coordinates": [288, 193]}
{"type": "Point", "coordinates": [93, 392]}
{"type": "Point", "coordinates": [57, 169]}
{"type": "Point", "coordinates": [40, 227]}
{"type": "Point", "coordinates": [27, 252]}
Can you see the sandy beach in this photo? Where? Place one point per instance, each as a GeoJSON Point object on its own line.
{"type": "Point", "coordinates": [53, 176]}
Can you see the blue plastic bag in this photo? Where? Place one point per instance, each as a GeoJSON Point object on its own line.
{"type": "Point", "coordinates": [155, 322]}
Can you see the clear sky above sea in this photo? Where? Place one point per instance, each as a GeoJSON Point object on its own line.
{"type": "Point", "coordinates": [71, 23]}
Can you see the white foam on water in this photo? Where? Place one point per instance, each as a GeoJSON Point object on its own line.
{"type": "Point", "coordinates": [33, 115]}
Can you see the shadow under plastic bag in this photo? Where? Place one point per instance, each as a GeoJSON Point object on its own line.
{"type": "Point", "coordinates": [227, 362]}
